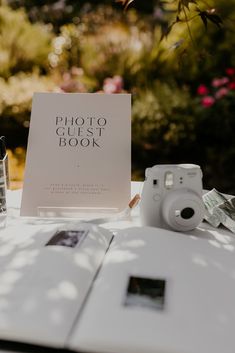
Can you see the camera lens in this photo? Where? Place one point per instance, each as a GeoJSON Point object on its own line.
{"type": "Point", "coordinates": [187, 213]}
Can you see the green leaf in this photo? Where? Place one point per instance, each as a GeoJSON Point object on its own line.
{"type": "Point", "coordinates": [203, 18]}
{"type": "Point", "coordinates": [165, 30]}
{"type": "Point", "coordinates": [210, 16]}
{"type": "Point", "coordinates": [185, 3]}
{"type": "Point", "coordinates": [215, 19]}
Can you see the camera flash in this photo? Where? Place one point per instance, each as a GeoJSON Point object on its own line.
{"type": "Point", "coordinates": [168, 180]}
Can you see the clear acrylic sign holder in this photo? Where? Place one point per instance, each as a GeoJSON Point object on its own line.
{"type": "Point", "coordinates": [85, 213]}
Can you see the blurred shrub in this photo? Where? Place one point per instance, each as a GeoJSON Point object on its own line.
{"type": "Point", "coordinates": [16, 94]}
{"type": "Point", "coordinates": [107, 43]}
{"type": "Point", "coordinates": [23, 46]}
{"type": "Point", "coordinates": [163, 126]}
{"type": "Point", "coordinates": [169, 123]}
{"type": "Point", "coordinates": [24, 50]}
{"type": "Point", "coordinates": [210, 52]}
{"type": "Point", "coordinates": [172, 121]}
{"type": "Point", "coordinates": [214, 108]}
{"type": "Point", "coordinates": [15, 104]}
{"type": "Point", "coordinates": [60, 12]}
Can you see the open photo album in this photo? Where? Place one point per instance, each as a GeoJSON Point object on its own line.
{"type": "Point", "coordinates": [77, 287]}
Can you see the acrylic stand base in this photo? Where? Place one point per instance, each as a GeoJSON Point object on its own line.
{"type": "Point", "coordinates": [75, 212]}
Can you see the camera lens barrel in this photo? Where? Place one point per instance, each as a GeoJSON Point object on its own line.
{"type": "Point", "coordinates": [182, 210]}
{"type": "Point", "coordinates": [187, 213]}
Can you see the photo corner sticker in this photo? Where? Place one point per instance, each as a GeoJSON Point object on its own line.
{"type": "Point", "coordinates": [146, 293]}
{"type": "Point", "coordinates": [68, 238]}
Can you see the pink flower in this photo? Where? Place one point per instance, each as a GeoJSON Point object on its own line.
{"type": "Point", "coordinates": [109, 86]}
{"type": "Point", "coordinates": [224, 80]}
{"type": "Point", "coordinates": [72, 86]}
{"type": "Point", "coordinates": [202, 90]}
{"type": "Point", "coordinates": [217, 82]}
{"type": "Point", "coordinates": [230, 71]}
{"type": "Point", "coordinates": [207, 101]}
{"type": "Point", "coordinates": [221, 92]}
{"type": "Point", "coordinates": [119, 83]}
{"type": "Point", "coordinates": [113, 85]}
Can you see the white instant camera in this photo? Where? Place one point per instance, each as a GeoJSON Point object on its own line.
{"type": "Point", "coordinates": [172, 197]}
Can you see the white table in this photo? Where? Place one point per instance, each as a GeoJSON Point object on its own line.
{"type": "Point", "coordinates": [219, 238]}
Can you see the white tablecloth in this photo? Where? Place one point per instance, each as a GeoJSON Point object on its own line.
{"type": "Point", "coordinates": [18, 228]}
{"type": "Point", "coordinates": [220, 237]}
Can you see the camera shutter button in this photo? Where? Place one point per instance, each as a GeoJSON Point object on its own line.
{"type": "Point", "coordinates": [156, 197]}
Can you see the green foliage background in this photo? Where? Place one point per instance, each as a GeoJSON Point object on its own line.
{"type": "Point", "coordinates": [76, 45]}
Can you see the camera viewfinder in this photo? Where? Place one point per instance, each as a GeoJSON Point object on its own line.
{"type": "Point", "coordinates": [168, 180]}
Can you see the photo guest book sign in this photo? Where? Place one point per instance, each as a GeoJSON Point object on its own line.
{"type": "Point", "coordinates": [78, 155]}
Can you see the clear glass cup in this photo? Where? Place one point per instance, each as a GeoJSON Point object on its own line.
{"type": "Point", "coordinates": [3, 192]}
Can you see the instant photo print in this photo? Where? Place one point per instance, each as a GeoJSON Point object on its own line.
{"type": "Point", "coordinates": [146, 293]}
{"type": "Point", "coordinates": [70, 238]}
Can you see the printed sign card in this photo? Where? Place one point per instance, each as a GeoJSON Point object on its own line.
{"type": "Point", "coordinates": [79, 152]}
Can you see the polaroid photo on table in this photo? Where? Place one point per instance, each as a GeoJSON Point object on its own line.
{"type": "Point", "coordinates": [68, 238]}
{"type": "Point", "coordinates": [146, 293]}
